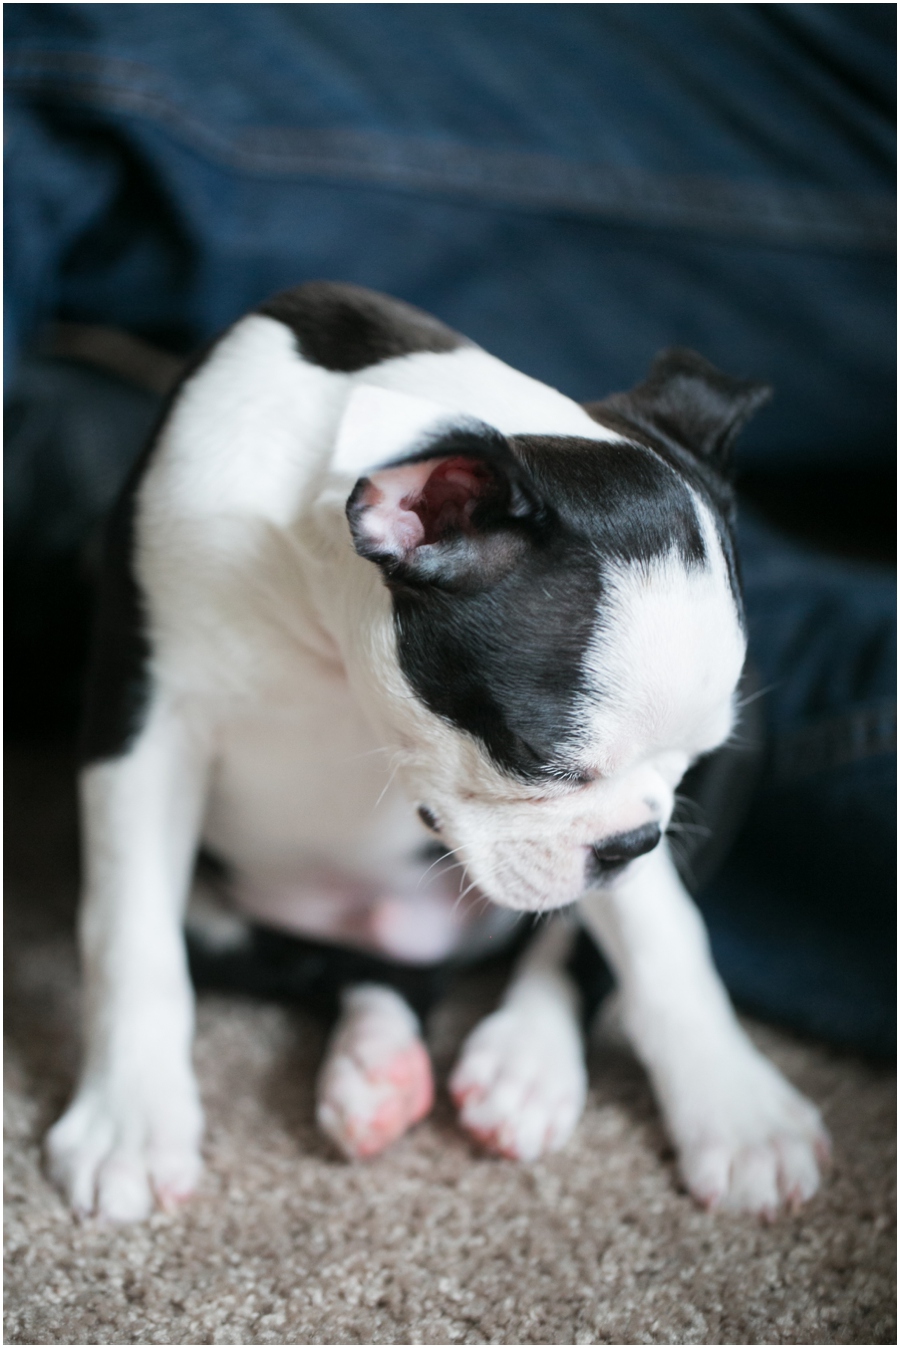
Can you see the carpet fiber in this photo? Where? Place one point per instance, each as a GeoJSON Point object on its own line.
{"type": "Point", "coordinates": [431, 1243]}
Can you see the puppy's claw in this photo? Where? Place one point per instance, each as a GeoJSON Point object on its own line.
{"type": "Point", "coordinates": [823, 1149]}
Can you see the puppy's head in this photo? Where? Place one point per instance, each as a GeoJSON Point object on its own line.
{"type": "Point", "coordinates": [567, 622]}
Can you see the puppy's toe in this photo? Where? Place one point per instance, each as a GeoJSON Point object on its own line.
{"type": "Point", "coordinates": [753, 1185]}
{"type": "Point", "coordinates": [174, 1173]}
{"type": "Point", "coordinates": [74, 1148]}
{"type": "Point", "coordinates": [798, 1168]}
{"type": "Point", "coordinates": [111, 1154]}
{"type": "Point", "coordinates": [520, 1082]}
{"type": "Point", "coordinates": [758, 1146]}
{"type": "Point", "coordinates": [123, 1188]}
{"type": "Point", "coordinates": [376, 1081]}
{"type": "Point", "coordinates": [706, 1170]}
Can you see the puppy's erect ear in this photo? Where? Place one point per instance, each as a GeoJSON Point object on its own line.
{"type": "Point", "coordinates": [686, 399]}
{"type": "Point", "coordinates": [449, 509]}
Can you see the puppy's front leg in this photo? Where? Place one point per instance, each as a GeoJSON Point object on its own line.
{"type": "Point", "coordinates": [520, 1083]}
{"type": "Point", "coordinates": [376, 1080]}
{"type": "Point", "coordinates": [133, 1129]}
{"type": "Point", "coordinates": [746, 1139]}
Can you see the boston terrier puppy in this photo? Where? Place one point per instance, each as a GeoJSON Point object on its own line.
{"type": "Point", "coordinates": [370, 586]}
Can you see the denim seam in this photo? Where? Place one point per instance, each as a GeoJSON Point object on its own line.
{"type": "Point", "coordinates": [865, 732]}
{"type": "Point", "coordinates": [781, 215]}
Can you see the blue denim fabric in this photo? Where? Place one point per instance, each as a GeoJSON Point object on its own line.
{"type": "Point", "coordinates": [574, 186]}
{"type": "Point", "coordinates": [803, 915]}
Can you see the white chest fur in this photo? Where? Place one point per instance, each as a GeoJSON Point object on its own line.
{"type": "Point", "coordinates": [303, 783]}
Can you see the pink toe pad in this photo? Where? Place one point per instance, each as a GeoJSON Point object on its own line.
{"type": "Point", "coordinates": [407, 1091]}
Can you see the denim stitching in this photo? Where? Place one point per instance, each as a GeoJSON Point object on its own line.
{"type": "Point", "coordinates": [775, 214]}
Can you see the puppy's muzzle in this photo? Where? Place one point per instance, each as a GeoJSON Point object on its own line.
{"type": "Point", "coordinates": [609, 857]}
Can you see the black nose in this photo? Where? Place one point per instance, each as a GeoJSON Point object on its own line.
{"type": "Point", "coordinates": [610, 856]}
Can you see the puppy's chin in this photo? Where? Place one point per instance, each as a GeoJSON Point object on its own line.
{"type": "Point", "coordinates": [551, 905]}
{"type": "Point", "coordinates": [529, 879]}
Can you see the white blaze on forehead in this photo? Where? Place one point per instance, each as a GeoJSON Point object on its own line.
{"type": "Point", "coordinates": [470, 381]}
{"type": "Point", "coordinates": [664, 662]}
{"type": "Point", "coordinates": [399, 404]}
{"type": "Point", "coordinates": [380, 424]}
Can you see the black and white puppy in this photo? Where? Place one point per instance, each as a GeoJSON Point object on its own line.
{"type": "Point", "coordinates": [367, 582]}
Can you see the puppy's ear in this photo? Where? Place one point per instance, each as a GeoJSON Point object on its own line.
{"type": "Point", "coordinates": [454, 511]}
{"type": "Point", "coordinates": [686, 399]}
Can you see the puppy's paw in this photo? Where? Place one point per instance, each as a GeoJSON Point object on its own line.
{"type": "Point", "coordinates": [113, 1155]}
{"type": "Point", "coordinates": [749, 1142]}
{"type": "Point", "coordinates": [520, 1082]}
{"type": "Point", "coordinates": [376, 1080]}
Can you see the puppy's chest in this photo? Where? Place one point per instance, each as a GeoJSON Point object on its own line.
{"type": "Point", "coordinates": [321, 841]}
{"type": "Point", "coordinates": [299, 780]}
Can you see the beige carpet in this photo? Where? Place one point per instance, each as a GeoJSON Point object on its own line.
{"type": "Point", "coordinates": [431, 1243]}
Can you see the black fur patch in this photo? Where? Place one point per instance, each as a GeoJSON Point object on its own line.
{"type": "Point", "coordinates": [279, 966]}
{"type": "Point", "coordinates": [117, 685]}
{"type": "Point", "coordinates": [347, 328]}
{"type": "Point", "coordinates": [505, 662]}
{"type": "Point", "coordinates": [622, 499]}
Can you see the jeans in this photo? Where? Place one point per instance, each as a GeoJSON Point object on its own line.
{"type": "Point", "coordinates": [573, 186]}
{"type": "Point", "coordinates": [802, 914]}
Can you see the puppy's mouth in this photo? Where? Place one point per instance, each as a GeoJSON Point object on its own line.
{"type": "Point", "coordinates": [527, 878]}
{"type": "Point", "coordinates": [532, 875]}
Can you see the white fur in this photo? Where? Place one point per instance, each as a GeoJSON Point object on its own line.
{"type": "Point", "coordinates": [745, 1138]}
{"type": "Point", "coordinates": [471, 382]}
{"type": "Point", "coordinates": [664, 663]}
{"type": "Point", "coordinates": [376, 1078]}
{"type": "Point", "coordinates": [283, 732]}
{"type": "Point", "coordinates": [520, 1082]}
{"type": "Point", "coordinates": [378, 421]}
{"type": "Point", "coordinates": [133, 1130]}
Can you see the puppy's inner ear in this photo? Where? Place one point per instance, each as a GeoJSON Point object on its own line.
{"type": "Point", "coordinates": [448, 521]}
{"type": "Point", "coordinates": [422, 503]}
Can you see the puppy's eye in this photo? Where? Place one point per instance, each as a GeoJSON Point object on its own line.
{"type": "Point", "coordinates": [575, 777]}
{"type": "Point", "coordinates": [428, 819]}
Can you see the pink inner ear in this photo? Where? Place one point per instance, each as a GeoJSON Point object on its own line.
{"type": "Point", "coordinates": [424, 502]}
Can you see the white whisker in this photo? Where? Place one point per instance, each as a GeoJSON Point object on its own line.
{"type": "Point", "coordinates": [387, 785]}
{"type": "Point", "coordinates": [752, 697]}
{"type": "Point", "coordinates": [369, 753]}
{"type": "Point", "coordinates": [451, 852]}
{"type": "Point", "coordinates": [677, 827]}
